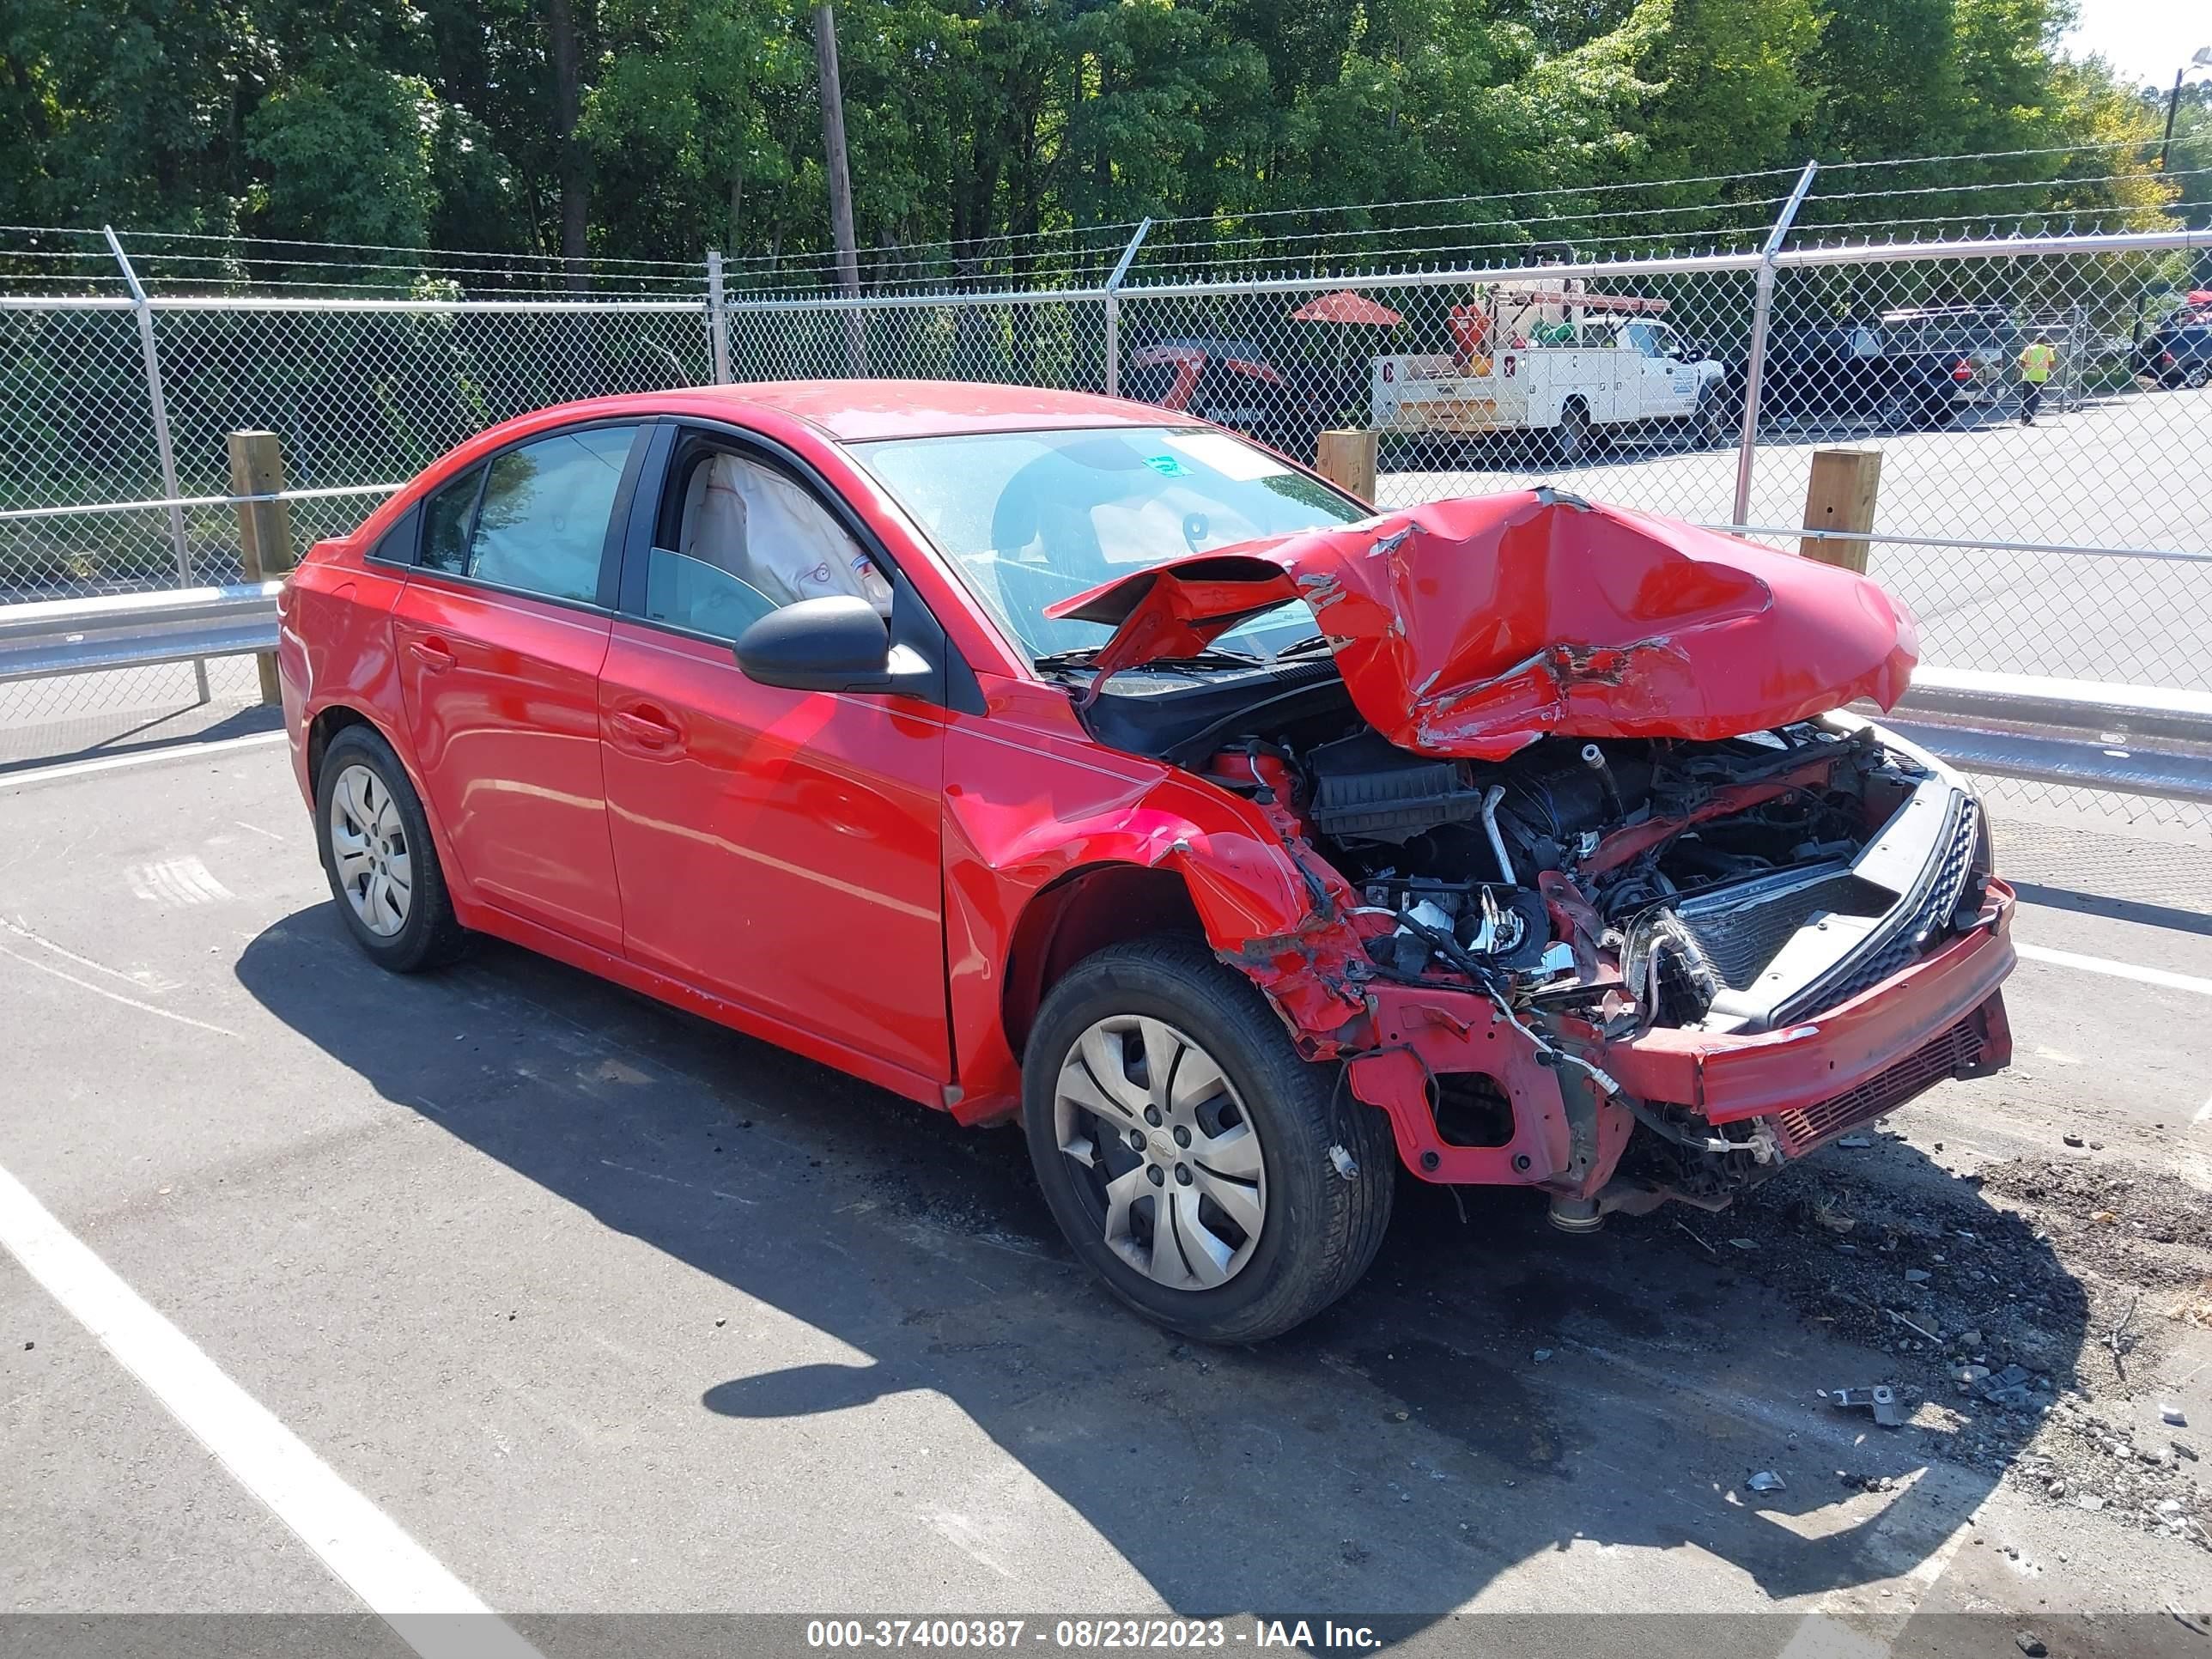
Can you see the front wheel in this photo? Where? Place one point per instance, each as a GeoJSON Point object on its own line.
{"type": "Point", "coordinates": [1218, 1184]}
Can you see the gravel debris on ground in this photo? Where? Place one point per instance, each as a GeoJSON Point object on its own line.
{"type": "Point", "coordinates": [2024, 1334]}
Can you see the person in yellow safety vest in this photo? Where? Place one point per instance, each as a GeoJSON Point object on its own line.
{"type": "Point", "coordinates": [2035, 366]}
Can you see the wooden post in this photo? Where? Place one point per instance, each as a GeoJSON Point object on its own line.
{"type": "Point", "coordinates": [1346, 459]}
{"type": "Point", "coordinates": [264, 527]}
{"type": "Point", "coordinates": [1840, 495]}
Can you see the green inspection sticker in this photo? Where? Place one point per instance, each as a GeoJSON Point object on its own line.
{"type": "Point", "coordinates": [1167, 466]}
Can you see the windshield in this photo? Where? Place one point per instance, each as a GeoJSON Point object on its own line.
{"type": "Point", "coordinates": [1032, 517]}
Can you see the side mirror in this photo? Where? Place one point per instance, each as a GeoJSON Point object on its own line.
{"type": "Point", "coordinates": [833, 644]}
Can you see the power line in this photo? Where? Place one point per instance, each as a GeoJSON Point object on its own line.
{"type": "Point", "coordinates": [1220, 215]}
{"type": "Point", "coordinates": [379, 248]}
{"type": "Point", "coordinates": [1995, 154]}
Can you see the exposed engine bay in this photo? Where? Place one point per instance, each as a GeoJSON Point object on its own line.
{"type": "Point", "coordinates": [1658, 883]}
{"type": "Point", "coordinates": [1663, 880]}
{"type": "Point", "coordinates": [1622, 887]}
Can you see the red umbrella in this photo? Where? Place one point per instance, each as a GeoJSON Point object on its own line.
{"type": "Point", "coordinates": [1346, 307]}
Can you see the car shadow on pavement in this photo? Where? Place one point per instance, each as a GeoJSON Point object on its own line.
{"type": "Point", "coordinates": [1493, 1397]}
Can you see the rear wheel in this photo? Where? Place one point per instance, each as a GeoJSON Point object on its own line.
{"type": "Point", "coordinates": [1571, 441]}
{"type": "Point", "coordinates": [1218, 1184]}
{"type": "Point", "coordinates": [376, 850]}
{"type": "Point", "coordinates": [1714, 425]}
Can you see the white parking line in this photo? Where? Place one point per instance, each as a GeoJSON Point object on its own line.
{"type": "Point", "coordinates": [2158, 976]}
{"type": "Point", "coordinates": [2203, 1113]}
{"type": "Point", "coordinates": [116, 996]}
{"type": "Point", "coordinates": [428, 1608]}
{"type": "Point", "coordinates": [146, 758]}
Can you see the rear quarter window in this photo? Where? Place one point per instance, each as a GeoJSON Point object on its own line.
{"type": "Point", "coordinates": [398, 544]}
{"type": "Point", "coordinates": [446, 523]}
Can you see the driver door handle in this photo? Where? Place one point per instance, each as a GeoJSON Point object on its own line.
{"type": "Point", "coordinates": [645, 729]}
{"type": "Point", "coordinates": [432, 656]}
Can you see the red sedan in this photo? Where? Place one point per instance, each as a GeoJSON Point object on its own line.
{"type": "Point", "coordinates": [1043, 755]}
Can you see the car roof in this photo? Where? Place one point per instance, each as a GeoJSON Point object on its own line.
{"type": "Point", "coordinates": [857, 411]}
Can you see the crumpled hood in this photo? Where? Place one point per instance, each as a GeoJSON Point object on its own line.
{"type": "Point", "coordinates": [1474, 627]}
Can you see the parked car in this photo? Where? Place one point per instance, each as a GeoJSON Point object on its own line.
{"type": "Point", "coordinates": [1846, 376]}
{"type": "Point", "coordinates": [1041, 757]}
{"type": "Point", "coordinates": [1233, 382]}
{"type": "Point", "coordinates": [1904, 370]}
{"type": "Point", "coordinates": [2178, 353]}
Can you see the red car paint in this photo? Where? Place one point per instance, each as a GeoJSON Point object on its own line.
{"type": "Point", "coordinates": [888, 885]}
{"type": "Point", "coordinates": [1474, 627]}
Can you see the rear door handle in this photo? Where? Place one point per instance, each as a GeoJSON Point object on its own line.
{"type": "Point", "coordinates": [647, 730]}
{"type": "Point", "coordinates": [432, 656]}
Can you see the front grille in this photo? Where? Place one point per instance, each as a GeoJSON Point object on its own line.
{"type": "Point", "coordinates": [1908, 934]}
{"type": "Point", "coordinates": [1959, 1049]}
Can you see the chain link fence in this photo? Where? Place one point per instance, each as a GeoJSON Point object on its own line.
{"type": "Point", "coordinates": [363, 392]}
{"type": "Point", "coordinates": [2049, 517]}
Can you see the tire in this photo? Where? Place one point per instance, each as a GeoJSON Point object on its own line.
{"type": "Point", "coordinates": [405, 921]}
{"type": "Point", "coordinates": [1321, 1180]}
{"type": "Point", "coordinates": [1893, 411]}
{"type": "Point", "coordinates": [1571, 441]}
{"type": "Point", "coordinates": [1710, 428]}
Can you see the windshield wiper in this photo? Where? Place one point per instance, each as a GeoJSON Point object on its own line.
{"type": "Point", "coordinates": [1085, 656]}
{"type": "Point", "coordinates": [1301, 648]}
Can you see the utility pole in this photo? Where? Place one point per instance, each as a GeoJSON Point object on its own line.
{"type": "Point", "coordinates": [2201, 60]}
{"type": "Point", "coordinates": [2172, 104]}
{"type": "Point", "coordinates": [571, 167]}
{"type": "Point", "coordinates": [841, 181]}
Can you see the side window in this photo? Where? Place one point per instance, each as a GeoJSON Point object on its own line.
{"type": "Point", "coordinates": [749, 540]}
{"type": "Point", "coordinates": [446, 525]}
{"type": "Point", "coordinates": [543, 524]}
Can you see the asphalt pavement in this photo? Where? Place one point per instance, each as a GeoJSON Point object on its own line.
{"type": "Point", "coordinates": [601, 1308]}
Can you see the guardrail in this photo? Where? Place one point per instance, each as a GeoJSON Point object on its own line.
{"type": "Point", "coordinates": [2131, 739]}
{"type": "Point", "coordinates": [136, 631]}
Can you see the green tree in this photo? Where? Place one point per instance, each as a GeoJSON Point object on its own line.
{"type": "Point", "coordinates": [350, 152]}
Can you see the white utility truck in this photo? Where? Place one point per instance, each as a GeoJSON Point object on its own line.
{"type": "Point", "coordinates": [1556, 360]}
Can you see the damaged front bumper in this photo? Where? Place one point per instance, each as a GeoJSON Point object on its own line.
{"type": "Point", "coordinates": [1770, 1095]}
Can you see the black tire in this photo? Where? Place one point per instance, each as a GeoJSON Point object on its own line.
{"type": "Point", "coordinates": [1329, 1160]}
{"type": "Point", "coordinates": [1715, 426]}
{"type": "Point", "coordinates": [1570, 439]}
{"type": "Point", "coordinates": [430, 936]}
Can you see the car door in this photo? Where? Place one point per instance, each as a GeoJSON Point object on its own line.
{"type": "Point", "coordinates": [1665, 387]}
{"type": "Point", "coordinates": [501, 631]}
{"type": "Point", "coordinates": [781, 849]}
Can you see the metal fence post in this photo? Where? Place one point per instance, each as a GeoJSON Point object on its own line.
{"type": "Point", "coordinates": [1755, 366]}
{"type": "Point", "coordinates": [1114, 308]}
{"type": "Point", "coordinates": [144, 311]}
{"type": "Point", "coordinates": [718, 320]}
